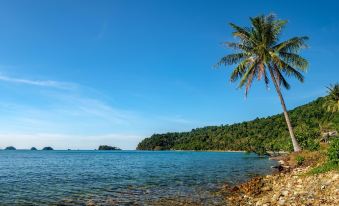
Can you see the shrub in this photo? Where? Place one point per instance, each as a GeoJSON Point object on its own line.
{"type": "Point", "coordinates": [332, 159]}
{"type": "Point", "coordinates": [333, 151]}
{"type": "Point", "coordinates": [300, 160]}
{"type": "Point", "coordinates": [274, 147]}
{"type": "Point", "coordinates": [309, 140]}
{"type": "Point", "coordinates": [259, 149]}
{"type": "Point", "coordinates": [312, 145]}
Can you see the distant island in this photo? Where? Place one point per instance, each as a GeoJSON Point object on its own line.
{"type": "Point", "coordinates": [47, 148]}
{"type": "Point", "coordinates": [106, 147]}
{"type": "Point", "coordinates": [33, 148]}
{"type": "Point", "coordinates": [10, 148]}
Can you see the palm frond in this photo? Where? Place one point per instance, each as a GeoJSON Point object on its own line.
{"type": "Point", "coordinates": [239, 71]}
{"type": "Point", "coordinates": [277, 27]}
{"type": "Point", "coordinates": [238, 46]}
{"type": "Point", "coordinates": [231, 59]}
{"type": "Point", "coordinates": [286, 68]}
{"type": "Point", "coordinates": [250, 69]}
{"type": "Point", "coordinates": [292, 45]}
{"type": "Point", "coordinates": [281, 79]}
{"type": "Point", "coordinates": [294, 60]}
{"type": "Point", "coordinates": [244, 33]}
{"type": "Point", "coordinates": [249, 81]}
{"type": "Point", "coordinates": [266, 79]}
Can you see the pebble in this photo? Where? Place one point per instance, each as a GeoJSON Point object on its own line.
{"type": "Point", "coordinates": [281, 202]}
{"type": "Point", "coordinates": [284, 192]}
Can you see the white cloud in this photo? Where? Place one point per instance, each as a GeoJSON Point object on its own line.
{"type": "Point", "coordinates": [79, 113]}
{"type": "Point", "coordinates": [74, 116]}
{"type": "Point", "coordinates": [100, 109]}
{"type": "Point", "coordinates": [41, 83]}
{"type": "Point", "coordinates": [67, 113]}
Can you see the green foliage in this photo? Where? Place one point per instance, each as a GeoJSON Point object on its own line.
{"type": "Point", "coordinates": [257, 146]}
{"type": "Point", "coordinates": [333, 151]}
{"type": "Point", "coordinates": [328, 166]}
{"type": "Point", "coordinates": [300, 160]}
{"type": "Point", "coordinates": [313, 145]}
{"type": "Point", "coordinates": [261, 150]}
{"type": "Point", "coordinates": [259, 135]}
{"type": "Point", "coordinates": [309, 140]}
{"type": "Point", "coordinates": [332, 100]}
{"type": "Point", "coordinates": [332, 162]}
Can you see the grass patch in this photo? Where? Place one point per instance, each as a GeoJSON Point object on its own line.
{"type": "Point", "coordinates": [307, 158]}
{"type": "Point", "coordinates": [300, 160]}
{"type": "Point", "coordinates": [328, 166]}
{"type": "Point", "coordinates": [332, 162]}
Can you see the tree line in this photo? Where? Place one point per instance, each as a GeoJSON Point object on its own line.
{"type": "Point", "coordinates": [259, 135]}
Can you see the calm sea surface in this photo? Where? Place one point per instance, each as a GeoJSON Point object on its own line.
{"type": "Point", "coordinates": [120, 177]}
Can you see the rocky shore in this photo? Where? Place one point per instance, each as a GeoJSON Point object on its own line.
{"type": "Point", "coordinates": [290, 187]}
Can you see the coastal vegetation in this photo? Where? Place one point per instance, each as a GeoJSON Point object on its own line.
{"type": "Point", "coordinates": [333, 152]}
{"type": "Point", "coordinates": [259, 135]}
{"type": "Point", "coordinates": [332, 160]}
{"type": "Point", "coordinates": [106, 147]}
{"type": "Point", "coordinates": [332, 105]}
{"type": "Point", "coordinates": [260, 55]}
{"type": "Point", "coordinates": [47, 148]}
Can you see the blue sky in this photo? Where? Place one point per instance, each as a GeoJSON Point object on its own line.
{"type": "Point", "coordinates": [77, 74]}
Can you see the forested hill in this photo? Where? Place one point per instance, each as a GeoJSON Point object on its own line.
{"type": "Point", "coordinates": [268, 133]}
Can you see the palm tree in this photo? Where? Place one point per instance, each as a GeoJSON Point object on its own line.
{"type": "Point", "coordinates": [332, 102]}
{"type": "Point", "coordinates": [259, 54]}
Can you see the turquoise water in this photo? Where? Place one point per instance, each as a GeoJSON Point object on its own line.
{"type": "Point", "coordinates": [120, 177]}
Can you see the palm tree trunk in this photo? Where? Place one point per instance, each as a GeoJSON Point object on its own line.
{"type": "Point", "coordinates": [296, 146]}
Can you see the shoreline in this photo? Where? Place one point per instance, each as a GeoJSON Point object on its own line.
{"type": "Point", "coordinates": [289, 185]}
{"type": "Point", "coordinates": [221, 194]}
{"type": "Point", "coordinates": [240, 151]}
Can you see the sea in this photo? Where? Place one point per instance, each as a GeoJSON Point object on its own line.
{"type": "Point", "coordinates": [81, 177]}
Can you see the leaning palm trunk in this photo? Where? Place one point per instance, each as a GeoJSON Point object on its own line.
{"type": "Point", "coordinates": [296, 146]}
